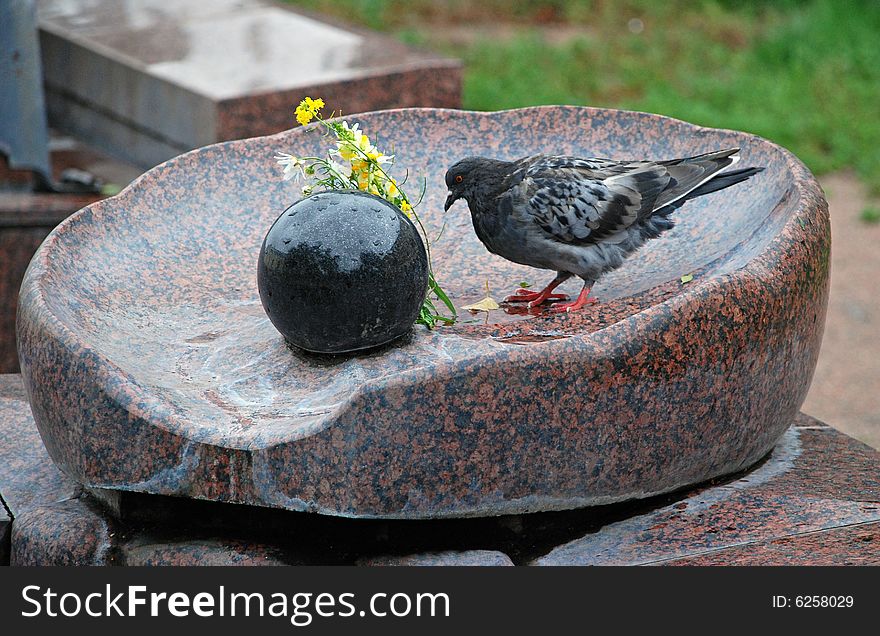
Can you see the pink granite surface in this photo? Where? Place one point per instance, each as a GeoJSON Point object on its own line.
{"type": "Point", "coordinates": [814, 501]}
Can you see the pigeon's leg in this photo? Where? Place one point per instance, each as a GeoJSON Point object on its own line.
{"type": "Point", "coordinates": [536, 298]}
{"type": "Point", "coordinates": [582, 299]}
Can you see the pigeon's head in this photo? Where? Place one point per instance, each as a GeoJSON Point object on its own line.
{"type": "Point", "coordinates": [463, 178]}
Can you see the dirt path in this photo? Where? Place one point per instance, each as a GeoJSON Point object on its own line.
{"type": "Point", "coordinates": [846, 388]}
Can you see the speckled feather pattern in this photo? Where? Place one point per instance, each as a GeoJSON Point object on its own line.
{"type": "Point", "coordinates": [573, 215]}
{"type": "Point", "coordinates": [150, 365]}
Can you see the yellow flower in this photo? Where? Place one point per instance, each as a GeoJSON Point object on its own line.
{"type": "Point", "coordinates": [314, 105]}
{"type": "Point", "coordinates": [405, 206]}
{"type": "Point", "coordinates": [303, 115]}
{"type": "Point", "coordinates": [346, 151]}
{"type": "Point", "coordinates": [363, 143]}
{"type": "Point", "coordinates": [363, 179]}
{"type": "Point", "coordinates": [391, 188]}
{"type": "Point", "coordinates": [359, 165]}
{"type": "Point", "coordinates": [379, 157]}
{"type": "Point", "coordinates": [308, 109]}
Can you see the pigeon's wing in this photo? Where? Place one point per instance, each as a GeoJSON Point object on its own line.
{"type": "Point", "coordinates": [582, 201]}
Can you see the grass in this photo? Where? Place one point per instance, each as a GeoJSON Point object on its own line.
{"type": "Point", "coordinates": [804, 73]}
{"type": "Point", "coordinates": [870, 215]}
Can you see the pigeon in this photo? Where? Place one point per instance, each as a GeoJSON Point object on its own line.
{"type": "Point", "coordinates": [580, 216]}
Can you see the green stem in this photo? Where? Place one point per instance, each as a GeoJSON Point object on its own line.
{"type": "Point", "coordinates": [429, 315]}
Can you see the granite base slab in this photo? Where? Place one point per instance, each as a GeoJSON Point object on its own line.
{"type": "Point", "coordinates": [141, 78]}
{"type": "Point", "coordinates": [817, 487]}
{"type": "Point", "coordinates": [813, 501]}
{"type": "Point", "coordinates": [484, 558]}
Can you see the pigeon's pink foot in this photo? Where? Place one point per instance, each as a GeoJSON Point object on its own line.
{"type": "Point", "coordinates": [583, 299]}
{"type": "Point", "coordinates": [534, 298]}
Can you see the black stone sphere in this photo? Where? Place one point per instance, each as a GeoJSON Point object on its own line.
{"type": "Point", "coordinates": [341, 271]}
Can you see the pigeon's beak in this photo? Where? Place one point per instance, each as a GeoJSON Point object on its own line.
{"type": "Point", "coordinates": [452, 198]}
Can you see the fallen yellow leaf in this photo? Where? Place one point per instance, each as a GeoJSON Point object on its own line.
{"type": "Point", "coordinates": [487, 304]}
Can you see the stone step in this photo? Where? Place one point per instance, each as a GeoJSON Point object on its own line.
{"type": "Point", "coordinates": [149, 79]}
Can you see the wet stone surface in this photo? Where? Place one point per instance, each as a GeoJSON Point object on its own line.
{"type": "Point", "coordinates": [813, 501]}
{"type": "Point", "coordinates": [342, 271]}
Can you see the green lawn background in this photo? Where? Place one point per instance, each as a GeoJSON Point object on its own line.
{"type": "Point", "coordinates": [803, 73]}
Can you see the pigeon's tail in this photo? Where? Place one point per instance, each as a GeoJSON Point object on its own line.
{"type": "Point", "coordinates": [695, 176]}
{"type": "Point", "coordinates": [724, 180]}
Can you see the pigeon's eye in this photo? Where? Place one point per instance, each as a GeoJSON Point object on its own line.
{"type": "Point", "coordinates": [459, 178]}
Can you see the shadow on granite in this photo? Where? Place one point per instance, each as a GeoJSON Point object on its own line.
{"type": "Point", "coordinates": [814, 501]}
{"type": "Point", "coordinates": [151, 366]}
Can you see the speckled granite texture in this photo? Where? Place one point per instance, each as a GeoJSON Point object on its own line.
{"type": "Point", "coordinates": [27, 476]}
{"type": "Point", "coordinates": [487, 558]}
{"type": "Point", "coordinates": [814, 501]}
{"type": "Point", "coordinates": [52, 523]}
{"type": "Point", "coordinates": [27, 217]}
{"type": "Point", "coordinates": [203, 552]}
{"type": "Point", "coordinates": [151, 366]}
{"type": "Point", "coordinates": [25, 220]}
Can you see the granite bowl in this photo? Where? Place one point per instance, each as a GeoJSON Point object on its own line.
{"type": "Point", "coordinates": [151, 366]}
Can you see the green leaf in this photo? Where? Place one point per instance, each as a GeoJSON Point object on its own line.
{"type": "Point", "coordinates": [111, 189]}
{"type": "Point", "coordinates": [687, 278]}
{"type": "Point", "coordinates": [524, 284]}
{"type": "Point", "coordinates": [435, 287]}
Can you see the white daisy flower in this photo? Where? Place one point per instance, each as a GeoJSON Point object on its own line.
{"type": "Point", "coordinates": [293, 166]}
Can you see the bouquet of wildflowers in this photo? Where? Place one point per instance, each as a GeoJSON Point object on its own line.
{"type": "Point", "coordinates": [354, 162]}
